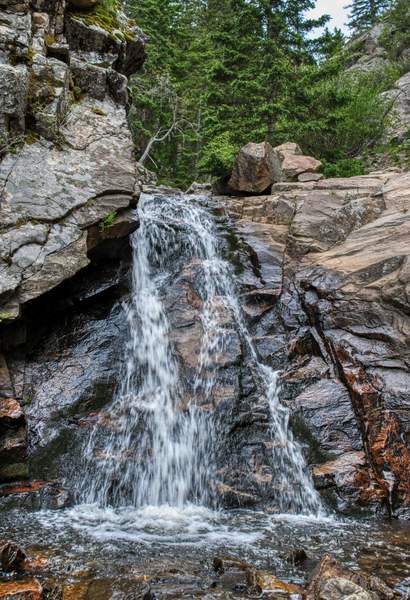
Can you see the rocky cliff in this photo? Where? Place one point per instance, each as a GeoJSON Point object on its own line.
{"type": "Point", "coordinates": [68, 176]}
{"type": "Point", "coordinates": [333, 313]}
{"type": "Point", "coordinates": [322, 266]}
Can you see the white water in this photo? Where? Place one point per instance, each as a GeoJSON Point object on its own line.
{"type": "Point", "coordinates": [156, 457]}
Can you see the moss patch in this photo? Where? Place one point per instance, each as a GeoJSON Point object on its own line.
{"type": "Point", "coordinates": [105, 15]}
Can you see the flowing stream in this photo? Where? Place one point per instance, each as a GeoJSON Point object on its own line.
{"type": "Point", "coordinates": [155, 453]}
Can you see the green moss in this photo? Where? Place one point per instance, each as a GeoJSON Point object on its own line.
{"type": "Point", "coordinates": [105, 15]}
{"type": "Point", "coordinates": [6, 316]}
{"type": "Point", "coordinates": [31, 137]}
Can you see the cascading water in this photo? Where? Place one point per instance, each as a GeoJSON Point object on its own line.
{"type": "Point", "coordinates": [153, 452]}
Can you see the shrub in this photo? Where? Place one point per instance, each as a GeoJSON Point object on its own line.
{"type": "Point", "coordinates": [218, 156]}
{"type": "Point", "coordinates": [346, 167]}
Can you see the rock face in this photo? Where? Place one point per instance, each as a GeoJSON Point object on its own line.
{"type": "Point", "coordinates": [399, 97]}
{"type": "Point", "coordinates": [64, 117]}
{"type": "Point", "coordinates": [341, 249]}
{"type": "Point", "coordinates": [257, 166]}
{"type": "Point", "coordinates": [68, 176]}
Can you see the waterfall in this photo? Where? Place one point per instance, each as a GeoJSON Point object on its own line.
{"type": "Point", "coordinates": [155, 448]}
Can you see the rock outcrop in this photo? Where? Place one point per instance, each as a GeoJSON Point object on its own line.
{"type": "Point", "coordinates": [68, 161]}
{"type": "Point", "coordinates": [68, 175]}
{"type": "Point", "coordinates": [336, 252]}
{"type": "Point", "coordinates": [368, 53]}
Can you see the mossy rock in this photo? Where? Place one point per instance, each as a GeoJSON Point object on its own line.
{"type": "Point", "coordinates": [107, 15]}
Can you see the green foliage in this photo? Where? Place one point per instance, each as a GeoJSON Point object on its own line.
{"type": "Point", "coordinates": [339, 115]}
{"type": "Point", "coordinates": [108, 220]}
{"type": "Point", "coordinates": [218, 155]}
{"type": "Point", "coordinates": [222, 73]}
{"type": "Point", "coordinates": [227, 66]}
{"type": "Point", "coordinates": [396, 35]}
{"type": "Point", "coordinates": [365, 13]}
{"type": "Point", "coordinates": [345, 167]}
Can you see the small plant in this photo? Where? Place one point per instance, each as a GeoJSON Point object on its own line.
{"type": "Point", "coordinates": [99, 111]}
{"type": "Point", "coordinates": [49, 39]}
{"type": "Point", "coordinates": [108, 220]}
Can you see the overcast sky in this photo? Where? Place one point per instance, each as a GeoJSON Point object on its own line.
{"type": "Point", "coordinates": [335, 9]}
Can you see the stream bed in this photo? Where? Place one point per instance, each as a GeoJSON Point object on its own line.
{"type": "Point", "coordinates": [127, 553]}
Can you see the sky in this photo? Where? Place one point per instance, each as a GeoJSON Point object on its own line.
{"type": "Point", "coordinates": [334, 8]}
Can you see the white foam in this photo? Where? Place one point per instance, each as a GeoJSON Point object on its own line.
{"type": "Point", "coordinates": [165, 524]}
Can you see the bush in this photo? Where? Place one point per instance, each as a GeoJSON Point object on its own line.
{"type": "Point", "coordinates": [346, 167]}
{"type": "Point", "coordinates": [218, 156]}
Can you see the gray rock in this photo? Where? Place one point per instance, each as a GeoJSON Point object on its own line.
{"type": "Point", "coordinates": [338, 588]}
{"type": "Point", "coordinates": [257, 166]}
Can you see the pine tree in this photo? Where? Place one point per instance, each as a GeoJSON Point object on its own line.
{"type": "Point", "coordinates": [365, 13]}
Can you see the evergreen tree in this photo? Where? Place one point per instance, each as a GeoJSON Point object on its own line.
{"type": "Point", "coordinates": [365, 13]}
{"type": "Point", "coordinates": [222, 73]}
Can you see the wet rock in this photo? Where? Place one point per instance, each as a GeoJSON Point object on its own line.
{"type": "Point", "coordinates": [257, 166]}
{"type": "Point", "coordinates": [297, 557]}
{"type": "Point", "coordinates": [331, 581]}
{"type": "Point", "coordinates": [34, 495]}
{"type": "Point", "coordinates": [13, 433]}
{"type": "Point", "coordinates": [326, 410]}
{"type": "Point", "coordinates": [270, 586]}
{"type": "Point", "coordinates": [344, 299]}
{"type": "Point", "coordinates": [222, 564]}
{"type": "Point", "coordinates": [12, 557]}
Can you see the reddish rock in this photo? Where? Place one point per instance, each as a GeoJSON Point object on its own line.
{"type": "Point", "coordinates": [10, 411]}
{"type": "Point", "coordinates": [21, 590]}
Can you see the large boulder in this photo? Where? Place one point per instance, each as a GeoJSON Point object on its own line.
{"type": "Point", "coordinates": [256, 168]}
{"type": "Point", "coordinates": [294, 163]}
